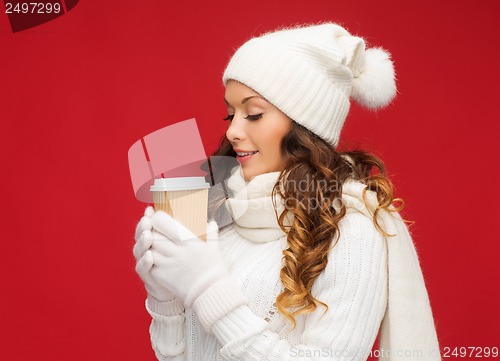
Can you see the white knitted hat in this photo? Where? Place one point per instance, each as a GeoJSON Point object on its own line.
{"type": "Point", "coordinates": [310, 71]}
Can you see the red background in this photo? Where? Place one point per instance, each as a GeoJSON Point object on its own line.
{"type": "Point", "coordinates": [78, 91]}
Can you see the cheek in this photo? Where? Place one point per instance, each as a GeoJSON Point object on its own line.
{"type": "Point", "coordinates": [271, 141]}
{"type": "Point", "coordinates": [268, 135]}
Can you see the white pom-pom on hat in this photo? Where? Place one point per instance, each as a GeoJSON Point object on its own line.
{"type": "Point", "coordinates": [375, 86]}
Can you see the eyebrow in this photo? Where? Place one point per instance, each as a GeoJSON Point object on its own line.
{"type": "Point", "coordinates": [247, 99]}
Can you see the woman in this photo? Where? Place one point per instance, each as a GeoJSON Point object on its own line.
{"type": "Point", "coordinates": [302, 269]}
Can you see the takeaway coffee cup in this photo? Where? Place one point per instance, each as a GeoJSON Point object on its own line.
{"type": "Point", "coordinates": [185, 199]}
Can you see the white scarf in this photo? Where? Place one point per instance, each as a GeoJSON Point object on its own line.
{"type": "Point", "coordinates": [408, 324]}
{"type": "Point", "coordinates": [251, 207]}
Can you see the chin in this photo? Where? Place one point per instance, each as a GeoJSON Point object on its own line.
{"type": "Point", "coordinates": [252, 172]}
{"type": "Point", "coordinates": [249, 174]}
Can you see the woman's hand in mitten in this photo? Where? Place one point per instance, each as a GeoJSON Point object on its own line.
{"type": "Point", "coordinates": [184, 263]}
{"type": "Point", "coordinates": [194, 270]}
{"type": "Point", "coordinates": [144, 236]}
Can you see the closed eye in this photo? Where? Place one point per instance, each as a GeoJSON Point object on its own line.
{"type": "Point", "coordinates": [249, 117]}
{"type": "Point", "coordinates": [254, 117]}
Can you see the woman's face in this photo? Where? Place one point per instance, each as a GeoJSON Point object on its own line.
{"type": "Point", "coordinates": [257, 127]}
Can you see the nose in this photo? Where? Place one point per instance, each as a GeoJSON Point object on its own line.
{"type": "Point", "coordinates": [236, 130]}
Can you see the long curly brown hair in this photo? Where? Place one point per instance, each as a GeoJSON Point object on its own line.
{"type": "Point", "coordinates": [308, 158]}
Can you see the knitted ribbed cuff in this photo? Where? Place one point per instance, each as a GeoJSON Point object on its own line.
{"type": "Point", "coordinates": [217, 301]}
{"type": "Point", "coordinates": [166, 332]}
{"type": "Point", "coordinates": [165, 308]}
{"type": "Point", "coordinates": [239, 324]}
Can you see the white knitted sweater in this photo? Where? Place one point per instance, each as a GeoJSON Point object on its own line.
{"type": "Point", "coordinates": [354, 285]}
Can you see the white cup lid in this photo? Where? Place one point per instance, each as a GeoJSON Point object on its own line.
{"type": "Point", "coordinates": [179, 184]}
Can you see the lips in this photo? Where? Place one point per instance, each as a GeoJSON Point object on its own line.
{"type": "Point", "coordinates": [243, 152]}
{"type": "Point", "coordinates": [244, 155]}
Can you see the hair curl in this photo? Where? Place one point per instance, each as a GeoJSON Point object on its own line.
{"type": "Point", "coordinates": [310, 238]}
